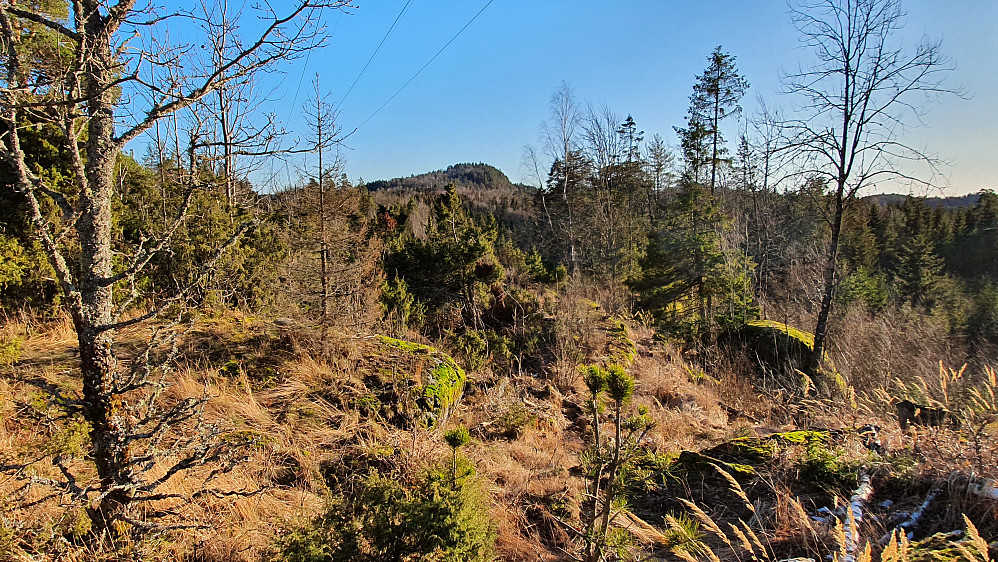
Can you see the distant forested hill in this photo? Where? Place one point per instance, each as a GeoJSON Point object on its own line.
{"type": "Point", "coordinates": [470, 176]}
{"type": "Point", "coordinates": [961, 202]}
{"type": "Point", "coordinates": [484, 190]}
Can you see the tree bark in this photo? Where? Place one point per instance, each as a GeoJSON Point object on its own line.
{"type": "Point", "coordinates": [95, 315]}
{"type": "Point", "coordinates": [828, 283]}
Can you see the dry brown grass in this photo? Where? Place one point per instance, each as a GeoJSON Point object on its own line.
{"type": "Point", "coordinates": [300, 413]}
{"type": "Point", "coordinates": [294, 429]}
{"type": "Point", "coordinates": [299, 422]}
{"type": "Point", "coordinates": [896, 344]}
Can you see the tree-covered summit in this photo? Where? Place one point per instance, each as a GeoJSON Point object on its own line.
{"type": "Point", "coordinates": [465, 175]}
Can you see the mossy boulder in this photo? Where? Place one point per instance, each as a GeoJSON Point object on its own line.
{"type": "Point", "coordinates": [754, 462]}
{"type": "Point", "coordinates": [778, 344]}
{"type": "Point", "coordinates": [744, 450]}
{"type": "Point", "coordinates": [947, 547]}
{"type": "Point", "coordinates": [692, 462]}
{"type": "Point", "coordinates": [780, 349]}
{"type": "Point", "coordinates": [438, 381]}
{"type": "Point", "coordinates": [744, 455]}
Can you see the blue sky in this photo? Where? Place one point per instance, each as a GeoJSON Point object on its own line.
{"type": "Point", "coordinates": [483, 99]}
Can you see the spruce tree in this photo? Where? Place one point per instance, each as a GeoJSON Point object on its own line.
{"type": "Point", "coordinates": [715, 97]}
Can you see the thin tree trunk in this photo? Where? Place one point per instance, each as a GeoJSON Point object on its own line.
{"type": "Point", "coordinates": [162, 176]}
{"type": "Point", "coordinates": [821, 327]}
{"type": "Point", "coordinates": [571, 225]}
{"type": "Point", "coordinates": [593, 551]}
{"type": "Point", "coordinates": [608, 495]}
{"type": "Point", "coordinates": [713, 159]}
{"type": "Point", "coordinates": [323, 246]}
{"type": "Point", "coordinates": [227, 156]}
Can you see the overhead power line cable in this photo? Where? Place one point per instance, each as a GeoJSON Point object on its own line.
{"type": "Point", "coordinates": [375, 53]}
{"type": "Point", "coordinates": [294, 102]}
{"type": "Point", "coordinates": [308, 56]}
{"type": "Point", "coordinates": [422, 68]}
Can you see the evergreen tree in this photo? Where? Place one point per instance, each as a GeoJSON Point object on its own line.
{"type": "Point", "coordinates": [694, 142]}
{"type": "Point", "coordinates": [919, 271]}
{"type": "Point", "coordinates": [687, 281]}
{"type": "Point", "coordinates": [567, 183]}
{"type": "Point", "coordinates": [454, 268]}
{"type": "Point", "coordinates": [659, 168]}
{"type": "Point", "coordinates": [859, 241]}
{"type": "Point", "coordinates": [631, 137]}
{"type": "Point", "coordinates": [972, 253]}
{"type": "Point", "coordinates": [715, 96]}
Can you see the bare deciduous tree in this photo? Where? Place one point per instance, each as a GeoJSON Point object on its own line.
{"type": "Point", "coordinates": [858, 96]}
{"type": "Point", "coordinates": [112, 80]}
{"type": "Point", "coordinates": [561, 144]}
{"type": "Point", "coordinates": [661, 170]}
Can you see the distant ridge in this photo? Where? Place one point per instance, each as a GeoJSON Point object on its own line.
{"type": "Point", "coordinates": [469, 176]}
{"type": "Point", "coordinates": [484, 190]}
{"type": "Point", "coordinates": [959, 202]}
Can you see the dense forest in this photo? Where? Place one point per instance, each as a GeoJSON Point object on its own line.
{"type": "Point", "coordinates": [722, 350]}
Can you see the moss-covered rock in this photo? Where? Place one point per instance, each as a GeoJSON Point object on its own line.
{"type": "Point", "coordinates": [439, 380]}
{"type": "Point", "coordinates": [782, 350]}
{"type": "Point", "coordinates": [691, 461]}
{"type": "Point", "coordinates": [744, 454]}
{"type": "Point", "coordinates": [777, 343]}
{"type": "Point", "coordinates": [945, 547]}
{"type": "Point", "coordinates": [745, 450]}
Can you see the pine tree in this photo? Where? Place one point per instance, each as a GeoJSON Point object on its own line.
{"type": "Point", "coordinates": [919, 271]}
{"type": "Point", "coordinates": [455, 266]}
{"type": "Point", "coordinates": [715, 97]}
{"type": "Point", "coordinates": [687, 281]}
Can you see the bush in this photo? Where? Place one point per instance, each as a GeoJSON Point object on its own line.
{"type": "Point", "coordinates": [481, 348]}
{"type": "Point", "coordinates": [399, 306]}
{"type": "Point", "coordinates": [13, 261]}
{"type": "Point", "coordinates": [10, 350]}
{"type": "Point", "coordinates": [982, 326]}
{"type": "Point", "coordinates": [514, 421]}
{"type": "Point", "coordinates": [435, 518]}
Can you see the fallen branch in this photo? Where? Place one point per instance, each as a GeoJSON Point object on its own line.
{"type": "Point", "coordinates": [856, 503]}
{"type": "Point", "coordinates": [912, 520]}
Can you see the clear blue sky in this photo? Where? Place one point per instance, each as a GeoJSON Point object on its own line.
{"type": "Point", "coordinates": [483, 99]}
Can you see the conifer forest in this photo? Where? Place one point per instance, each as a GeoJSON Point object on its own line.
{"type": "Point", "coordinates": [735, 347]}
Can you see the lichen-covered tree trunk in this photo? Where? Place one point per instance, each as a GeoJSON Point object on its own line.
{"type": "Point", "coordinates": [95, 315]}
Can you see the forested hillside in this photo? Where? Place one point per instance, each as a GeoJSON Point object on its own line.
{"type": "Point", "coordinates": [725, 350]}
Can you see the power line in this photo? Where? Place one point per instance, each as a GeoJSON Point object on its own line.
{"type": "Point", "coordinates": [308, 56]}
{"type": "Point", "coordinates": [383, 39]}
{"type": "Point", "coordinates": [294, 102]}
{"type": "Point", "coordinates": [418, 72]}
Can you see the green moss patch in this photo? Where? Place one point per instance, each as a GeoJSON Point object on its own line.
{"type": "Point", "coordinates": [745, 455]}
{"type": "Point", "coordinates": [779, 349]}
{"type": "Point", "coordinates": [777, 343]}
{"type": "Point", "coordinates": [439, 379]}
{"type": "Point", "coordinates": [943, 547]}
{"type": "Point", "coordinates": [690, 461]}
